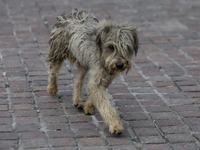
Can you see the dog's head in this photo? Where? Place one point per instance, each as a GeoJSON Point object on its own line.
{"type": "Point", "coordinates": [117, 44]}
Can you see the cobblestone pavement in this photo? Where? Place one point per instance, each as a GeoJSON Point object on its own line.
{"type": "Point", "coordinates": [158, 101]}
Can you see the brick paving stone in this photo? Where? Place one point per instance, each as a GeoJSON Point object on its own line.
{"type": "Point", "coordinates": [49, 105]}
{"type": "Point", "coordinates": [163, 84]}
{"type": "Point", "coordinates": [22, 106]}
{"type": "Point", "coordinates": [2, 90]}
{"type": "Point", "coordinates": [21, 95]}
{"type": "Point", "coordinates": [6, 128]}
{"type": "Point", "coordinates": [119, 141]}
{"type": "Point", "coordinates": [32, 135]}
{"type": "Point", "coordinates": [155, 102]}
{"type": "Point", "coordinates": [5, 121]}
{"type": "Point", "coordinates": [27, 120]}
{"type": "Point", "coordinates": [93, 147]}
{"type": "Point", "coordinates": [41, 93]}
{"type": "Point", "coordinates": [148, 97]}
{"type": "Point", "coordinates": [143, 90]}
{"type": "Point", "coordinates": [168, 122]}
{"type": "Point", "coordinates": [153, 139]}
{"type": "Point", "coordinates": [91, 141]}
{"type": "Point", "coordinates": [158, 109]}
{"type": "Point", "coordinates": [168, 89]}
{"type": "Point", "coordinates": [191, 121]}
{"type": "Point", "coordinates": [64, 148]}
{"type": "Point", "coordinates": [44, 100]}
{"type": "Point", "coordinates": [163, 115]}
{"type": "Point", "coordinates": [39, 148]}
{"type": "Point", "coordinates": [179, 101]}
{"type": "Point", "coordinates": [174, 96]}
{"type": "Point", "coordinates": [87, 133]}
{"type": "Point", "coordinates": [60, 134]}
{"type": "Point", "coordinates": [86, 125]}
{"type": "Point", "coordinates": [187, 114]}
{"type": "Point", "coordinates": [55, 119]}
{"type": "Point", "coordinates": [8, 144]}
{"type": "Point", "coordinates": [179, 138]}
{"type": "Point", "coordinates": [141, 123]}
{"type": "Point", "coordinates": [124, 147]}
{"type": "Point", "coordinates": [34, 143]}
{"type": "Point", "coordinates": [9, 136]}
{"type": "Point", "coordinates": [57, 127]}
{"type": "Point", "coordinates": [180, 108]}
{"type": "Point", "coordinates": [52, 112]}
{"type": "Point", "coordinates": [116, 90]}
{"type": "Point", "coordinates": [190, 88]}
{"type": "Point", "coordinates": [197, 135]}
{"type": "Point", "coordinates": [22, 101]}
{"type": "Point", "coordinates": [5, 114]}
{"type": "Point", "coordinates": [3, 102]}
{"type": "Point", "coordinates": [83, 118]}
{"type": "Point", "coordinates": [25, 113]}
{"type": "Point", "coordinates": [193, 94]}
{"type": "Point", "coordinates": [123, 96]}
{"type": "Point", "coordinates": [195, 128]}
{"type": "Point", "coordinates": [126, 103]}
{"type": "Point", "coordinates": [20, 89]}
{"type": "Point", "coordinates": [27, 128]}
{"type": "Point", "coordinates": [57, 142]}
{"type": "Point", "coordinates": [146, 131]}
{"type": "Point", "coordinates": [134, 116]}
{"type": "Point", "coordinates": [157, 147]}
{"type": "Point", "coordinates": [175, 129]}
{"type": "Point", "coordinates": [185, 146]}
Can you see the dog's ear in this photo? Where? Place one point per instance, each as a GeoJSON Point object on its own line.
{"type": "Point", "coordinates": [133, 36]}
{"type": "Point", "coordinates": [136, 40]}
{"type": "Point", "coordinates": [101, 35]}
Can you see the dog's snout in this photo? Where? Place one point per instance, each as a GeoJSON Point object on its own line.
{"type": "Point", "coordinates": [119, 65]}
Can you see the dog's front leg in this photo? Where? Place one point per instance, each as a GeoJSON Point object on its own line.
{"type": "Point", "coordinates": [109, 114]}
{"type": "Point", "coordinates": [99, 98]}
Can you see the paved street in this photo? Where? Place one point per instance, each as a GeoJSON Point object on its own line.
{"type": "Point", "coordinates": [158, 100]}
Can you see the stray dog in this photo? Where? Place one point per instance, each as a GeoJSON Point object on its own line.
{"type": "Point", "coordinates": [103, 49]}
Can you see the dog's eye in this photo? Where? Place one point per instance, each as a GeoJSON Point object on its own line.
{"type": "Point", "coordinates": [111, 47]}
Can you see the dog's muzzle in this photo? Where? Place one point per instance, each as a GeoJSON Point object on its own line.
{"type": "Point", "coordinates": [119, 65]}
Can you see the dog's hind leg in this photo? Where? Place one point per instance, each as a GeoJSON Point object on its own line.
{"type": "Point", "coordinates": [77, 95]}
{"type": "Point", "coordinates": [52, 88]}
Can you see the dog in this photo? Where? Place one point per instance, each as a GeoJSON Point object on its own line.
{"type": "Point", "coordinates": [102, 49]}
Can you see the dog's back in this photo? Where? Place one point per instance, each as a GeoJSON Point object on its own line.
{"type": "Point", "coordinates": [64, 31]}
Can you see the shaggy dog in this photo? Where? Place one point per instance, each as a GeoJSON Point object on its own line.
{"type": "Point", "coordinates": [103, 49]}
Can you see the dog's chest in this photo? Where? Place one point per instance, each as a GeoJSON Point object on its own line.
{"type": "Point", "coordinates": [84, 49]}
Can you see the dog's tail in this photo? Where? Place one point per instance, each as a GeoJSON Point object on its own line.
{"type": "Point", "coordinates": [78, 15]}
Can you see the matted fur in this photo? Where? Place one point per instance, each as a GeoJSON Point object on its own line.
{"type": "Point", "coordinates": [104, 49]}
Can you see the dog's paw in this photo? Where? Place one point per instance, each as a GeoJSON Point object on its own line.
{"type": "Point", "coordinates": [79, 105]}
{"type": "Point", "coordinates": [89, 110]}
{"type": "Point", "coordinates": [116, 129]}
{"type": "Point", "coordinates": [52, 90]}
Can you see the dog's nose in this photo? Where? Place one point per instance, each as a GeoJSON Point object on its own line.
{"type": "Point", "coordinates": [119, 65]}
